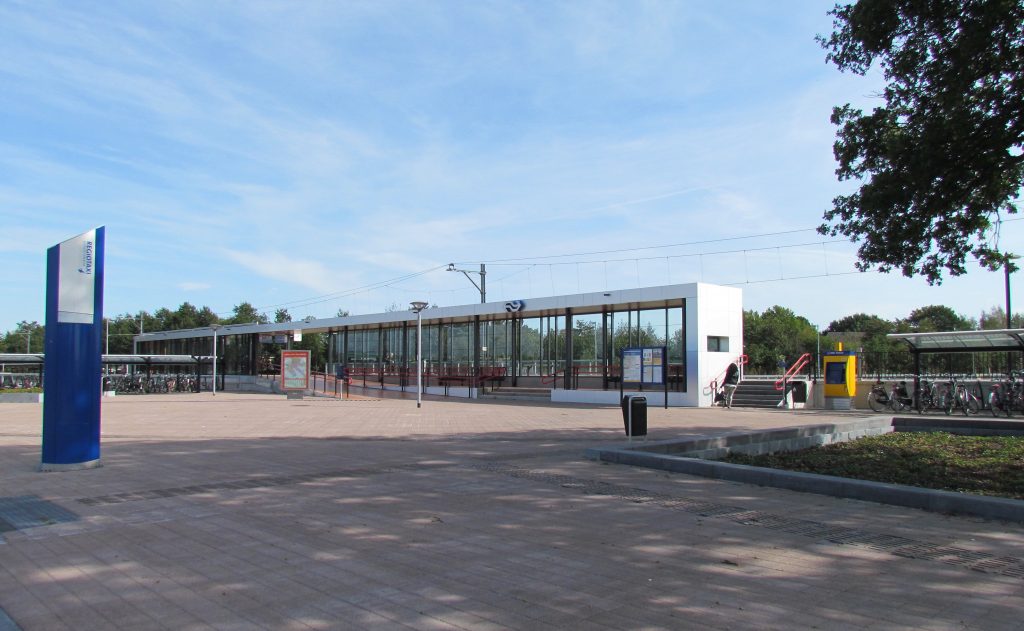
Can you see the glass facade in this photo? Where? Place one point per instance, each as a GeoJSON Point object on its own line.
{"type": "Point", "coordinates": [563, 350]}
{"type": "Point", "coordinates": [236, 354]}
{"type": "Point", "coordinates": [556, 348]}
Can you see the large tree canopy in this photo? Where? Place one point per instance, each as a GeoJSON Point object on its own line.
{"type": "Point", "coordinates": [942, 159]}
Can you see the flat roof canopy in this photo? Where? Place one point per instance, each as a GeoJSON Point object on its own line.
{"type": "Point", "coordinates": [1000, 340]}
{"type": "Point", "coordinates": [153, 360]}
{"type": "Point", "coordinates": [581, 304]}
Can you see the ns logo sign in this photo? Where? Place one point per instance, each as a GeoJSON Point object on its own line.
{"type": "Point", "coordinates": [514, 306]}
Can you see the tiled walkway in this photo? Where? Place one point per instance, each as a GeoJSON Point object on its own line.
{"type": "Point", "coordinates": [255, 512]}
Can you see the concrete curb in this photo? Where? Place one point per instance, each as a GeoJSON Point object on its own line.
{"type": "Point", "coordinates": [21, 397]}
{"type": "Point", "coordinates": [685, 456]}
{"type": "Point", "coordinates": [966, 426]}
{"type": "Point", "coordinates": [895, 494]}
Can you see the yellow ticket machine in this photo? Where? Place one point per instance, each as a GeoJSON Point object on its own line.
{"type": "Point", "coordinates": [840, 378]}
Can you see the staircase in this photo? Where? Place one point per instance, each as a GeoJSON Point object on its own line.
{"type": "Point", "coordinates": [510, 393]}
{"type": "Point", "coordinates": [756, 394]}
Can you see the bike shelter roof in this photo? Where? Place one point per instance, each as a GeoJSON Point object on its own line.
{"type": "Point", "coordinates": [1000, 340]}
{"type": "Point", "coordinates": [153, 360]}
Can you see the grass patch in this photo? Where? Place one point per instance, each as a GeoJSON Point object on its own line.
{"type": "Point", "coordinates": [21, 390]}
{"type": "Point", "coordinates": [983, 465]}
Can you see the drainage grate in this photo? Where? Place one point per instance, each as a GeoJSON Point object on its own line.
{"type": "Point", "coordinates": [840, 535]}
{"type": "Point", "coordinates": [31, 511]}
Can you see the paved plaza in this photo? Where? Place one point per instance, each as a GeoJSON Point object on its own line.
{"type": "Point", "coordinates": [246, 511]}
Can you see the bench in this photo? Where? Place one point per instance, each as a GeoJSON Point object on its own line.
{"type": "Point", "coordinates": [448, 380]}
{"type": "Point", "coordinates": [492, 375]}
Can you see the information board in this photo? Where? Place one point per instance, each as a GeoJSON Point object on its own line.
{"type": "Point", "coordinates": [644, 365]}
{"type": "Point", "coordinates": [295, 367]}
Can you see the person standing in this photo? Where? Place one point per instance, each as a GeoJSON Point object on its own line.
{"type": "Point", "coordinates": [729, 383]}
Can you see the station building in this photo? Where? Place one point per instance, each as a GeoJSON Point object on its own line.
{"type": "Point", "coordinates": [570, 345]}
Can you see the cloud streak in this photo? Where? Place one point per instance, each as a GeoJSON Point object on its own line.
{"type": "Point", "coordinates": [276, 150]}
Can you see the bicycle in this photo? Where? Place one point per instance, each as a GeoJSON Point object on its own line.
{"type": "Point", "coordinates": [958, 396]}
{"type": "Point", "coordinates": [895, 399]}
{"type": "Point", "coordinates": [930, 397]}
{"type": "Point", "coordinates": [1004, 397]}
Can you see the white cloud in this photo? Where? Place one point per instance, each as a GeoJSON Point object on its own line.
{"type": "Point", "coordinates": [303, 272]}
{"type": "Point", "coordinates": [192, 286]}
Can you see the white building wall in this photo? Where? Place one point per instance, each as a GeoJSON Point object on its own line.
{"type": "Point", "coordinates": [719, 313]}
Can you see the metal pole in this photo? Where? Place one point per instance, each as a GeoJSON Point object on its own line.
{"type": "Point", "coordinates": [629, 415]}
{"type": "Point", "coordinates": [1006, 269]}
{"type": "Point", "coordinates": [213, 388]}
{"type": "Point", "coordinates": [483, 283]}
{"type": "Point", "coordinates": [1009, 318]}
{"type": "Point", "coordinates": [817, 361]}
{"type": "Point", "coordinates": [214, 385]}
{"type": "Point", "coordinates": [419, 359]}
{"type": "Point", "coordinates": [135, 342]}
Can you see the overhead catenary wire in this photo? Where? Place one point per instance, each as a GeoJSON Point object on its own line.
{"type": "Point", "coordinates": [322, 298]}
{"type": "Point", "coordinates": [671, 245]}
{"type": "Point", "coordinates": [527, 263]}
{"type": "Point", "coordinates": [675, 256]}
{"type": "Point", "coordinates": [642, 248]}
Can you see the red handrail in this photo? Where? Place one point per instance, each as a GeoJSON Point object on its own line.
{"type": "Point", "coordinates": [797, 366]}
{"type": "Point", "coordinates": [553, 377]}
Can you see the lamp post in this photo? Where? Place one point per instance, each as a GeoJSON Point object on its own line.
{"type": "Point", "coordinates": [1008, 268]}
{"type": "Point", "coordinates": [418, 307]}
{"type": "Point", "coordinates": [817, 359]}
{"type": "Point", "coordinates": [214, 327]}
{"type": "Point", "coordinates": [482, 287]}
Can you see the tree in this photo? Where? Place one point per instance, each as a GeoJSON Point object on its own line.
{"type": "Point", "coordinates": [944, 157]}
{"type": "Point", "coordinates": [119, 333]}
{"type": "Point", "coordinates": [867, 334]}
{"type": "Point", "coordinates": [585, 342]}
{"type": "Point", "coordinates": [245, 313]}
{"type": "Point", "coordinates": [342, 313]}
{"type": "Point", "coordinates": [316, 344]}
{"type": "Point", "coordinates": [187, 316]}
{"type": "Point", "coordinates": [870, 329]}
{"type": "Point", "coordinates": [282, 315]}
{"type": "Point", "coordinates": [936, 318]}
{"type": "Point", "coordinates": [27, 337]}
{"type": "Point", "coordinates": [995, 318]}
{"type": "Point", "coordinates": [861, 323]}
{"type": "Point", "coordinates": [776, 334]}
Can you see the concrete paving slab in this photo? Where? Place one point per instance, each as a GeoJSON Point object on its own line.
{"type": "Point", "coordinates": [252, 511]}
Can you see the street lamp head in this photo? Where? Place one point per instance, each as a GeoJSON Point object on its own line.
{"type": "Point", "coordinates": [451, 268]}
{"type": "Point", "coordinates": [216, 326]}
{"type": "Point", "coordinates": [418, 306]}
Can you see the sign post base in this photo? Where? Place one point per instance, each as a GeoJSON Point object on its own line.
{"type": "Point", "coordinates": [74, 466]}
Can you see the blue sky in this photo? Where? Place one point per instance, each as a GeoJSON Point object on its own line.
{"type": "Point", "coordinates": [306, 154]}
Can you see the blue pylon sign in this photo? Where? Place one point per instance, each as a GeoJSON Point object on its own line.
{"type": "Point", "coordinates": [72, 366]}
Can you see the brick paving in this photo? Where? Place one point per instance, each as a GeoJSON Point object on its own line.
{"type": "Point", "coordinates": [256, 512]}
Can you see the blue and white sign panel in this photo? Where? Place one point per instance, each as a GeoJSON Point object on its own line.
{"type": "Point", "coordinates": [74, 335]}
{"type": "Point", "coordinates": [76, 279]}
{"type": "Point", "coordinates": [644, 365]}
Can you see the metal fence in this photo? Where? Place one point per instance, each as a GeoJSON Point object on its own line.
{"type": "Point", "coordinates": [898, 364]}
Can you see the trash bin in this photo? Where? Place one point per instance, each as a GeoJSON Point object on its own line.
{"type": "Point", "coordinates": [799, 391]}
{"type": "Point", "coordinates": [637, 406]}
